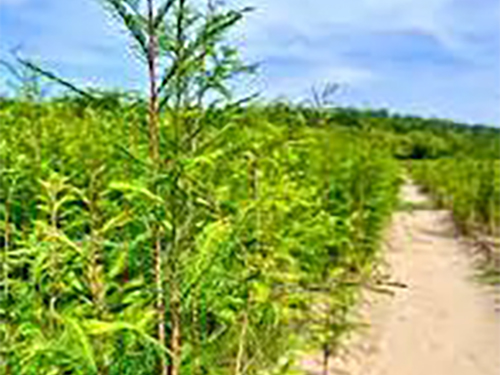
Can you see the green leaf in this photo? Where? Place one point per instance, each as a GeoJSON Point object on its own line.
{"type": "Point", "coordinates": [78, 334]}
{"type": "Point", "coordinates": [136, 190]}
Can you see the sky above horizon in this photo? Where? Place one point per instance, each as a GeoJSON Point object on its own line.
{"type": "Point", "coordinates": [434, 58]}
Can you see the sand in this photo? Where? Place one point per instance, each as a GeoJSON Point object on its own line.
{"type": "Point", "coordinates": [441, 322]}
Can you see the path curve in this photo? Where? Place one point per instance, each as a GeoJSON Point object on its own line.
{"type": "Point", "coordinates": [442, 322]}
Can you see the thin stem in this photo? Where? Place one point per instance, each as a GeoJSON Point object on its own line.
{"type": "Point", "coordinates": [326, 359]}
{"type": "Point", "coordinates": [154, 155]}
{"type": "Point", "coordinates": [241, 344]}
{"type": "Point", "coordinates": [5, 275]}
{"type": "Point", "coordinates": [175, 321]}
{"type": "Point", "coordinates": [160, 304]}
{"type": "Point", "coordinates": [195, 331]}
{"type": "Point", "coordinates": [152, 55]}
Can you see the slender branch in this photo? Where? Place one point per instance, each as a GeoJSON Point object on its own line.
{"type": "Point", "coordinates": [51, 76]}
{"type": "Point", "coordinates": [152, 54]}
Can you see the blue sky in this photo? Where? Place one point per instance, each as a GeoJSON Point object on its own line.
{"type": "Point", "coordinates": [429, 57]}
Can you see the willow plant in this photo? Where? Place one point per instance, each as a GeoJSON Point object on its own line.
{"type": "Point", "coordinates": [187, 48]}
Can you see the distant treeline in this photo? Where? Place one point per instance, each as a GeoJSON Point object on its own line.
{"type": "Point", "coordinates": [408, 136]}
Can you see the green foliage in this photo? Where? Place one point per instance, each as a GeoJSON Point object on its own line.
{"type": "Point", "coordinates": [470, 188]}
{"type": "Point", "coordinates": [183, 233]}
{"type": "Point", "coordinates": [282, 224]}
{"type": "Point", "coordinates": [408, 137]}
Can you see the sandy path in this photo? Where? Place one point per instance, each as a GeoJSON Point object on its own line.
{"type": "Point", "coordinates": [442, 323]}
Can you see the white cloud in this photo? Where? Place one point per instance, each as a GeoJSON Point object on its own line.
{"type": "Point", "coordinates": [288, 29]}
{"type": "Point", "coordinates": [448, 21]}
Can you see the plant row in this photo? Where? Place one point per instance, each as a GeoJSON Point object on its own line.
{"type": "Point", "coordinates": [241, 248]}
